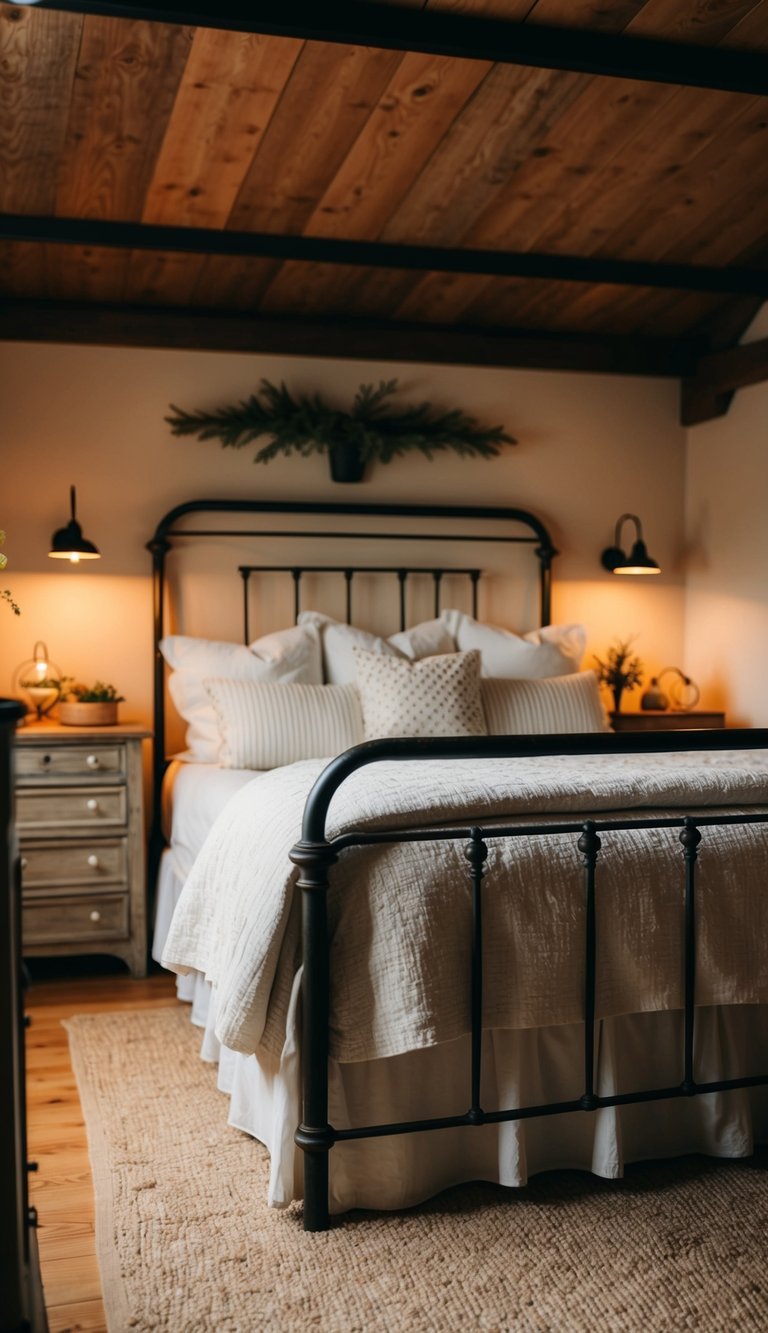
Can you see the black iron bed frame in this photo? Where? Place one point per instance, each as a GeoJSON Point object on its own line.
{"type": "Point", "coordinates": [314, 854]}
{"type": "Point", "coordinates": [171, 531]}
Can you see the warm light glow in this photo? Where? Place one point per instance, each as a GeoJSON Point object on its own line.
{"type": "Point", "coordinates": [636, 569]}
{"type": "Point", "coordinates": [74, 557]}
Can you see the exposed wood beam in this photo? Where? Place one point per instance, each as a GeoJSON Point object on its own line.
{"type": "Point", "coordinates": [735, 367]}
{"type": "Point", "coordinates": [698, 403]}
{"type": "Point", "coordinates": [461, 36]}
{"type": "Point", "coordinates": [708, 394]}
{"type": "Point", "coordinates": [379, 254]}
{"type": "Point", "coordinates": [366, 340]}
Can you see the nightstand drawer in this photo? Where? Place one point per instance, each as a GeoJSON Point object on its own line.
{"type": "Point", "coordinates": [81, 835]}
{"type": "Point", "coordinates": [72, 807]}
{"type": "Point", "coordinates": [69, 761]}
{"type": "Point", "coordinates": [65, 920]}
{"type": "Point", "coordinates": [80, 863]}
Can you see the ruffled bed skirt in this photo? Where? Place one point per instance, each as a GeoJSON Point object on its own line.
{"type": "Point", "coordinates": [526, 1067]}
{"type": "Point", "coordinates": [519, 1068]}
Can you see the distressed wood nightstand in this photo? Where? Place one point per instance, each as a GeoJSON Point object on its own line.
{"type": "Point", "coordinates": [651, 720]}
{"type": "Point", "coordinates": [79, 817]}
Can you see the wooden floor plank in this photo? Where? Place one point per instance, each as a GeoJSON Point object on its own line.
{"type": "Point", "coordinates": [77, 1317]}
{"type": "Point", "coordinates": [75, 1278]}
{"type": "Point", "coordinates": [61, 1189]}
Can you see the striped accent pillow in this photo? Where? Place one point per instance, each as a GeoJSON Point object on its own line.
{"type": "Point", "coordinates": [265, 726]}
{"type": "Point", "coordinates": [549, 705]}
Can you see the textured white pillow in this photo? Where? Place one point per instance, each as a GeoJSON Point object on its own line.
{"type": "Point", "coordinates": [438, 696]}
{"type": "Point", "coordinates": [291, 655]}
{"type": "Point", "coordinates": [538, 707]}
{"type": "Point", "coordinates": [266, 726]}
{"type": "Point", "coordinates": [554, 650]}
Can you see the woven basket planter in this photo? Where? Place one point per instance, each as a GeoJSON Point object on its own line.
{"type": "Point", "coordinates": [88, 715]}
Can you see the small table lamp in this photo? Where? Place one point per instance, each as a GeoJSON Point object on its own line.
{"type": "Point", "coordinates": [39, 679]}
{"type": "Point", "coordinates": [683, 693]}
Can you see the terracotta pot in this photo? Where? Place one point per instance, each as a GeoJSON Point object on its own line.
{"type": "Point", "coordinates": [88, 715]}
{"type": "Point", "coordinates": [346, 463]}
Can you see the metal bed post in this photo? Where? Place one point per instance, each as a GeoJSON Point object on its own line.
{"type": "Point", "coordinates": [314, 1134]}
{"type": "Point", "coordinates": [159, 548]}
{"type": "Point", "coordinates": [690, 838]}
{"type": "Point", "coordinates": [589, 845]}
{"type": "Point", "coordinates": [476, 852]}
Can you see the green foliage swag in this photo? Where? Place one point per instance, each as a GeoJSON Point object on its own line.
{"type": "Point", "coordinates": [307, 425]}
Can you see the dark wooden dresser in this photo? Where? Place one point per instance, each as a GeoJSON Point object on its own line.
{"type": "Point", "coordinates": [21, 1296]}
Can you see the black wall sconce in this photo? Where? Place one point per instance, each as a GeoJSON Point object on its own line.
{"type": "Point", "coordinates": [68, 543]}
{"type": "Point", "coordinates": [638, 561]}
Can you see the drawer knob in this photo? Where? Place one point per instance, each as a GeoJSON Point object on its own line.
{"type": "Point", "coordinates": [93, 861]}
{"type": "Point", "coordinates": [95, 916]}
{"type": "Point", "coordinates": [92, 804]}
{"type": "Point", "coordinates": [92, 761]}
{"type": "Point", "coordinates": [24, 862]}
{"type": "Point", "coordinates": [45, 760]}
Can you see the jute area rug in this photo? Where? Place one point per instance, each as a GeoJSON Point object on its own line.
{"type": "Point", "coordinates": [187, 1244]}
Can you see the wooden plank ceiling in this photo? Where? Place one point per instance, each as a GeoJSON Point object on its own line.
{"type": "Point", "coordinates": [123, 120]}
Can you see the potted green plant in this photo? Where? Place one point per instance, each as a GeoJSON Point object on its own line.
{"type": "Point", "coordinates": [620, 671]}
{"type": "Point", "coordinates": [88, 705]}
{"type": "Point", "coordinates": [372, 429]}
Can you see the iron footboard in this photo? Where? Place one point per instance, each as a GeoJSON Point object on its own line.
{"type": "Point", "coordinates": [314, 854]}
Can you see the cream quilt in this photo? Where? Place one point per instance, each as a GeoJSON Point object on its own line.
{"type": "Point", "coordinates": [400, 915]}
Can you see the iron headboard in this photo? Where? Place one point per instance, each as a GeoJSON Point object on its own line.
{"type": "Point", "coordinates": [168, 532]}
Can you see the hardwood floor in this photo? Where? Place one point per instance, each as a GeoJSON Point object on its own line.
{"type": "Point", "coordinates": [61, 1188]}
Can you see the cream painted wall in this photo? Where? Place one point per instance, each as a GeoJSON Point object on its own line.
{"type": "Point", "coordinates": [726, 621]}
{"type": "Point", "coordinates": [590, 447]}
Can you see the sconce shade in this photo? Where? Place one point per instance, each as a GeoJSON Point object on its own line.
{"type": "Point", "coordinates": [638, 561]}
{"type": "Point", "coordinates": [68, 543]}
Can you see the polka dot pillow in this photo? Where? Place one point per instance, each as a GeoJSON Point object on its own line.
{"type": "Point", "coordinates": [436, 696]}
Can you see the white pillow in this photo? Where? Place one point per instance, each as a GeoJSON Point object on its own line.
{"type": "Point", "coordinates": [338, 641]}
{"type": "Point", "coordinates": [338, 638]}
{"type": "Point", "coordinates": [554, 650]}
{"type": "Point", "coordinates": [265, 726]}
{"type": "Point", "coordinates": [538, 707]}
{"type": "Point", "coordinates": [438, 696]}
{"type": "Point", "coordinates": [428, 639]}
{"type": "Point", "coordinates": [291, 655]}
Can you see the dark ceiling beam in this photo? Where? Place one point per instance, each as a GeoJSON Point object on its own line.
{"type": "Point", "coordinates": [351, 339]}
{"type": "Point", "coordinates": [379, 254]}
{"type": "Point", "coordinates": [735, 367]}
{"type": "Point", "coordinates": [708, 393]}
{"type": "Point", "coordinates": [461, 36]}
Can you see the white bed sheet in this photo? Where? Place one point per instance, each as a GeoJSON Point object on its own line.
{"type": "Point", "coordinates": [193, 796]}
